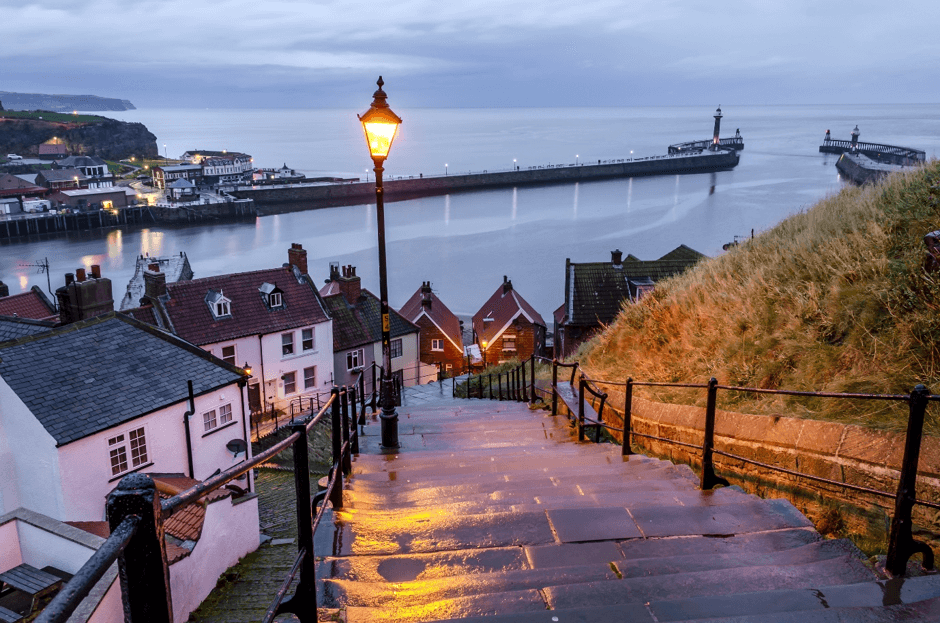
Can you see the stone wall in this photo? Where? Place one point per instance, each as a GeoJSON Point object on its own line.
{"type": "Point", "coordinates": [840, 452]}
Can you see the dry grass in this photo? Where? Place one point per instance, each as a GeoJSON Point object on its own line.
{"type": "Point", "coordinates": [834, 298]}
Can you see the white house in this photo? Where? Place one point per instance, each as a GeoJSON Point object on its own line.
{"type": "Point", "coordinates": [93, 167]}
{"type": "Point", "coordinates": [272, 322]}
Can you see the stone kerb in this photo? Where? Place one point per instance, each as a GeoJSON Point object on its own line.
{"type": "Point", "coordinates": [841, 452]}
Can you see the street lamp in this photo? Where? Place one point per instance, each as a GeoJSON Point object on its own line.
{"type": "Point", "coordinates": [445, 168]}
{"type": "Point", "coordinates": [485, 343]}
{"type": "Point", "coordinates": [576, 156]}
{"type": "Point", "coordinates": [514, 167]}
{"type": "Point", "coordinates": [380, 125]}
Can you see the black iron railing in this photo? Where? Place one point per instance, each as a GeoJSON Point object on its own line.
{"type": "Point", "coordinates": [901, 543]}
{"type": "Point", "coordinates": [136, 516]}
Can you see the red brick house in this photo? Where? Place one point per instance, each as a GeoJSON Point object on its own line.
{"type": "Point", "coordinates": [507, 327]}
{"type": "Point", "coordinates": [441, 340]}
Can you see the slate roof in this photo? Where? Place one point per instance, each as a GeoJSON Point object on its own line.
{"type": "Point", "coordinates": [597, 290]}
{"type": "Point", "coordinates": [80, 161]}
{"type": "Point", "coordinates": [58, 175]}
{"type": "Point", "coordinates": [47, 149]}
{"type": "Point", "coordinates": [503, 307]}
{"type": "Point", "coordinates": [13, 186]}
{"type": "Point", "coordinates": [12, 327]}
{"type": "Point", "coordinates": [92, 375]}
{"type": "Point", "coordinates": [361, 324]}
{"type": "Point", "coordinates": [439, 314]}
{"type": "Point", "coordinates": [30, 304]}
{"type": "Point", "coordinates": [190, 318]}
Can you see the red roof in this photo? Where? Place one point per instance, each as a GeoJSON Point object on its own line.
{"type": "Point", "coordinates": [502, 308]}
{"type": "Point", "coordinates": [438, 313]}
{"type": "Point", "coordinates": [13, 186]}
{"type": "Point", "coordinates": [32, 304]}
{"type": "Point", "coordinates": [52, 149]}
{"type": "Point", "coordinates": [193, 321]}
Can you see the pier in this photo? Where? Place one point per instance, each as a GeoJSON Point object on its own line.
{"type": "Point", "coordinates": [322, 195]}
{"type": "Point", "coordinates": [891, 154]}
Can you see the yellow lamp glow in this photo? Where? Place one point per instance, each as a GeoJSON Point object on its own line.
{"type": "Point", "coordinates": [380, 125]}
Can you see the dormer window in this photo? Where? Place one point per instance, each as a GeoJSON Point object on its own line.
{"type": "Point", "coordinates": [273, 296]}
{"type": "Point", "coordinates": [220, 306]}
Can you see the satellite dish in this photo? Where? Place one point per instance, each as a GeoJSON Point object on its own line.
{"type": "Point", "coordinates": [236, 446]}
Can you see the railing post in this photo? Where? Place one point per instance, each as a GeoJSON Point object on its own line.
{"type": "Point", "coordinates": [362, 398]}
{"type": "Point", "coordinates": [524, 385]}
{"type": "Point", "coordinates": [901, 543]}
{"type": "Point", "coordinates": [581, 384]}
{"type": "Point", "coordinates": [626, 449]}
{"type": "Point", "coordinates": [481, 387]}
{"type": "Point", "coordinates": [144, 572]}
{"type": "Point", "coordinates": [532, 378]}
{"type": "Point", "coordinates": [336, 496]}
{"type": "Point", "coordinates": [554, 387]}
{"type": "Point", "coordinates": [440, 374]}
{"type": "Point", "coordinates": [709, 479]}
{"type": "Point", "coordinates": [353, 429]}
{"type": "Point", "coordinates": [304, 600]}
{"type": "Point", "coordinates": [490, 384]}
{"type": "Point", "coordinates": [515, 384]}
{"type": "Point", "coordinates": [374, 391]}
{"type": "Point", "coordinates": [344, 414]}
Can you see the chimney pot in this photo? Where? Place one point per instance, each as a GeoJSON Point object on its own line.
{"type": "Point", "coordinates": [69, 279]}
{"type": "Point", "coordinates": [296, 256]}
{"type": "Point", "coordinates": [153, 267]}
{"type": "Point", "coordinates": [507, 284]}
{"type": "Point", "coordinates": [80, 275]}
{"type": "Point", "coordinates": [96, 271]}
{"type": "Point", "coordinates": [616, 257]}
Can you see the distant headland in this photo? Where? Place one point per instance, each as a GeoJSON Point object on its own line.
{"type": "Point", "coordinates": [61, 103]}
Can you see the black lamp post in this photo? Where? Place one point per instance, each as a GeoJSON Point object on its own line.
{"type": "Point", "coordinates": [380, 125]}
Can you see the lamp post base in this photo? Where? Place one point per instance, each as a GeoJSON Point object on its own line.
{"type": "Point", "coordinates": [388, 419]}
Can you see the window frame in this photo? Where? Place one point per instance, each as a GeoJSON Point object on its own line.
{"type": "Point", "coordinates": [287, 345]}
{"type": "Point", "coordinates": [210, 420]}
{"type": "Point", "coordinates": [310, 381]}
{"type": "Point", "coordinates": [231, 359]}
{"type": "Point", "coordinates": [355, 359]}
{"type": "Point", "coordinates": [437, 344]}
{"type": "Point", "coordinates": [304, 340]}
{"type": "Point", "coordinates": [226, 410]}
{"type": "Point", "coordinates": [223, 308]}
{"type": "Point", "coordinates": [512, 338]}
{"type": "Point", "coordinates": [125, 447]}
{"type": "Point", "coordinates": [276, 300]}
{"type": "Point", "coordinates": [292, 382]}
{"type": "Point", "coordinates": [392, 348]}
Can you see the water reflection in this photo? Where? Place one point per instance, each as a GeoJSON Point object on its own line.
{"type": "Point", "coordinates": [629, 193]}
{"type": "Point", "coordinates": [151, 242]}
{"type": "Point", "coordinates": [447, 208]}
{"type": "Point", "coordinates": [574, 214]}
{"type": "Point", "coordinates": [115, 245]}
{"type": "Point", "coordinates": [515, 202]}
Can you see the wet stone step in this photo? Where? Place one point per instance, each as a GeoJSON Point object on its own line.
{"type": "Point", "coordinates": [756, 516]}
{"type": "Point", "coordinates": [770, 541]}
{"type": "Point", "coordinates": [409, 567]}
{"type": "Point", "coordinates": [842, 570]}
{"type": "Point", "coordinates": [510, 603]}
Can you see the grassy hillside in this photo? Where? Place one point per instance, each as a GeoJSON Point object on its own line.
{"type": "Point", "coordinates": [834, 299]}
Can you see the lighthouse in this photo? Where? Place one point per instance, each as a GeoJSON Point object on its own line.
{"type": "Point", "coordinates": [855, 134]}
{"type": "Point", "coordinates": [717, 128]}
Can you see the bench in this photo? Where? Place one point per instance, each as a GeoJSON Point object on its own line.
{"type": "Point", "coordinates": [8, 616]}
{"type": "Point", "coordinates": [27, 579]}
{"type": "Point", "coordinates": [572, 400]}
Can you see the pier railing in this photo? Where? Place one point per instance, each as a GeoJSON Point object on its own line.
{"type": "Point", "coordinates": [872, 149]}
{"type": "Point", "coordinates": [901, 543]}
{"type": "Point", "coordinates": [136, 516]}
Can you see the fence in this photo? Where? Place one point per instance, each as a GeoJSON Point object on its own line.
{"type": "Point", "coordinates": [901, 543]}
{"type": "Point", "coordinates": [136, 516]}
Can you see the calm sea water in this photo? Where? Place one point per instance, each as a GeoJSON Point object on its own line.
{"type": "Point", "coordinates": [465, 243]}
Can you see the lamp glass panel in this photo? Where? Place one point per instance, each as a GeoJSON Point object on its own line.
{"type": "Point", "coordinates": [379, 136]}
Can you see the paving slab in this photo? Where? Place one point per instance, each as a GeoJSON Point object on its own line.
{"type": "Point", "coordinates": [575, 525]}
{"type": "Point", "coordinates": [463, 607]}
{"type": "Point", "coordinates": [717, 520]}
{"type": "Point", "coordinates": [408, 567]}
{"type": "Point", "coordinates": [568, 554]}
{"type": "Point", "coordinates": [770, 541]}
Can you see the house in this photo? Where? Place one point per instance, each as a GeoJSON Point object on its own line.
{"type": "Point", "coordinates": [30, 304]}
{"type": "Point", "coordinates": [271, 321]}
{"type": "Point", "coordinates": [88, 402]}
{"type": "Point", "coordinates": [182, 190]}
{"type": "Point", "coordinates": [162, 176]}
{"type": "Point", "coordinates": [93, 167]}
{"type": "Point", "coordinates": [61, 179]}
{"type": "Point", "coordinates": [507, 327]}
{"type": "Point", "coordinates": [595, 292]}
{"type": "Point", "coordinates": [197, 156]}
{"type": "Point", "coordinates": [52, 151]}
{"type": "Point", "coordinates": [225, 169]}
{"type": "Point", "coordinates": [441, 339]}
{"type": "Point", "coordinates": [14, 327]}
{"type": "Point", "coordinates": [357, 331]}
{"type": "Point", "coordinates": [175, 267]}
{"type": "Point", "coordinates": [108, 198]}
{"type": "Point", "coordinates": [13, 186]}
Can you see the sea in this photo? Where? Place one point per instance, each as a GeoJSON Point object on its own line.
{"type": "Point", "coordinates": [465, 243]}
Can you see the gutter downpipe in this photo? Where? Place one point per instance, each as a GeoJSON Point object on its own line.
{"type": "Point", "coordinates": [186, 416]}
{"type": "Point", "coordinates": [264, 391]}
{"type": "Point", "coordinates": [242, 385]}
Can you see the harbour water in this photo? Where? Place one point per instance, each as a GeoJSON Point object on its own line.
{"type": "Point", "coordinates": [465, 243]}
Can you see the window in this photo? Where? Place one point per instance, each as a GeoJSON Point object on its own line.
{"type": "Point", "coordinates": [287, 343]}
{"type": "Point", "coordinates": [509, 342]}
{"type": "Point", "coordinates": [225, 414]}
{"type": "Point", "coordinates": [437, 344]}
{"type": "Point", "coordinates": [222, 309]}
{"type": "Point", "coordinates": [396, 348]}
{"type": "Point", "coordinates": [290, 383]}
{"type": "Point", "coordinates": [127, 451]}
{"type": "Point", "coordinates": [306, 340]}
{"type": "Point", "coordinates": [310, 377]}
{"type": "Point", "coordinates": [228, 354]}
{"type": "Point", "coordinates": [354, 359]}
{"type": "Point", "coordinates": [276, 300]}
{"type": "Point", "coordinates": [209, 420]}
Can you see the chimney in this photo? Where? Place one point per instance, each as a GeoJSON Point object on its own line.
{"type": "Point", "coordinates": [426, 294]}
{"type": "Point", "coordinates": [82, 298]}
{"type": "Point", "coordinates": [154, 282]}
{"type": "Point", "coordinates": [296, 256]}
{"type": "Point", "coordinates": [4, 288]}
{"type": "Point", "coordinates": [616, 258]}
{"type": "Point", "coordinates": [507, 285]}
{"type": "Point", "coordinates": [350, 285]}
{"type": "Point", "coordinates": [334, 272]}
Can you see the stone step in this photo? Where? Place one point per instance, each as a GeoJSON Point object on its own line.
{"type": "Point", "coordinates": [835, 571]}
{"type": "Point", "coordinates": [510, 603]}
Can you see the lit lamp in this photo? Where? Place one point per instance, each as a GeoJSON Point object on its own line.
{"type": "Point", "coordinates": [381, 125]}
{"type": "Point", "coordinates": [484, 353]}
{"type": "Point", "coordinates": [247, 369]}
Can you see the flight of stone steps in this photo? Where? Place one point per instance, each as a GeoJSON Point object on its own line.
{"type": "Point", "coordinates": [492, 512]}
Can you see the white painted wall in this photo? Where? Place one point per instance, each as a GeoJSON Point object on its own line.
{"type": "Point", "coordinates": [229, 532]}
{"type": "Point", "coordinates": [10, 553]}
{"type": "Point", "coordinates": [110, 609]}
{"type": "Point", "coordinates": [29, 462]}
{"type": "Point", "coordinates": [85, 464]}
{"type": "Point", "coordinates": [408, 362]}
{"type": "Point", "coordinates": [41, 548]}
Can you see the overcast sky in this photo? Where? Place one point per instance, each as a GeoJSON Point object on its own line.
{"type": "Point", "coordinates": [322, 53]}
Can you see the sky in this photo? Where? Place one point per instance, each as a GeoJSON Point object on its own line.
{"type": "Point", "coordinates": [473, 53]}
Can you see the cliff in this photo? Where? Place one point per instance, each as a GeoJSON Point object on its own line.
{"type": "Point", "coordinates": [106, 138]}
{"type": "Point", "coordinates": [61, 103]}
